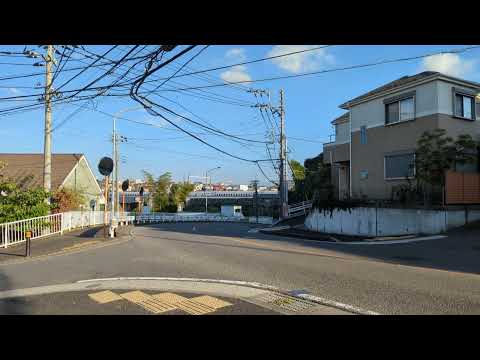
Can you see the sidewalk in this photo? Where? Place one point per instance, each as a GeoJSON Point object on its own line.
{"type": "Point", "coordinates": [55, 244]}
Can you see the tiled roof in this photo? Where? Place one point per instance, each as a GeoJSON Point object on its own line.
{"type": "Point", "coordinates": [405, 80]}
{"type": "Point", "coordinates": [21, 165]}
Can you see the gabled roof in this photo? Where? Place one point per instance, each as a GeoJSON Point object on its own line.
{"type": "Point", "coordinates": [404, 81]}
{"type": "Point", "coordinates": [341, 119]}
{"type": "Point", "coordinates": [20, 166]}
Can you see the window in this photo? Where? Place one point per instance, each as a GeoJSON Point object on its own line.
{"type": "Point", "coordinates": [464, 106]}
{"type": "Point", "coordinates": [399, 166]}
{"type": "Point", "coordinates": [363, 135]}
{"type": "Point", "coordinates": [401, 110]}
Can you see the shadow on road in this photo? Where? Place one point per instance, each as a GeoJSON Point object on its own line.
{"type": "Point", "coordinates": [12, 306]}
{"type": "Point", "coordinates": [459, 251]}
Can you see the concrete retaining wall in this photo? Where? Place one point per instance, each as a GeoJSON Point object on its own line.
{"type": "Point", "coordinates": [388, 222]}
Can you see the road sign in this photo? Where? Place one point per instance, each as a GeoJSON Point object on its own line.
{"type": "Point", "coordinates": [105, 166]}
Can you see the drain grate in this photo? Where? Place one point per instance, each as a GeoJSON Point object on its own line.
{"type": "Point", "coordinates": [285, 302]}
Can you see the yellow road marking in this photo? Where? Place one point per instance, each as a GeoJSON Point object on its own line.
{"type": "Point", "coordinates": [194, 308]}
{"type": "Point", "coordinates": [163, 302]}
{"type": "Point", "coordinates": [211, 301]}
{"type": "Point", "coordinates": [135, 296]}
{"type": "Point", "coordinates": [104, 297]}
{"type": "Point", "coordinates": [156, 306]}
{"type": "Point", "coordinates": [148, 302]}
{"type": "Point", "coordinates": [170, 298]}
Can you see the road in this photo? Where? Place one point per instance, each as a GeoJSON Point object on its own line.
{"type": "Point", "coordinates": [361, 276]}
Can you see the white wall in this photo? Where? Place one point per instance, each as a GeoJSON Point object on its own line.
{"type": "Point", "coordinates": [387, 222]}
{"type": "Point", "coordinates": [445, 96]}
{"type": "Point", "coordinates": [372, 113]}
{"type": "Point", "coordinates": [342, 132]}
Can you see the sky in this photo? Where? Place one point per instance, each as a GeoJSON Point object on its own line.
{"type": "Point", "coordinates": [311, 102]}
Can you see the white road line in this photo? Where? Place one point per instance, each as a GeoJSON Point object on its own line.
{"type": "Point", "coordinates": [337, 304]}
{"type": "Point", "coordinates": [388, 242]}
{"type": "Point", "coordinates": [317, 299]}
{"type": "Point", "coordinates": [377, 242]}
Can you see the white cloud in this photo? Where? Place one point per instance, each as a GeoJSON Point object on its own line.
{"type": "Point", "coordinates": [236, 73]}
{"type": "Point", "coordinates": [297, 63]}
{"type": "Point", "coordinates": [449, 64]}
{"type": "Point", "coordinates": [12, 91]}
{"type": "Point", "coordinates": [236, 54]}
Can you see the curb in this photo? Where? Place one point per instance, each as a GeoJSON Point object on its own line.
{"type": "Point", "coordinates": [78, 249]}
{"type": "Point", "coordinates": [256, 285]}
{"type": "Point", "coordinates": [333, 240]}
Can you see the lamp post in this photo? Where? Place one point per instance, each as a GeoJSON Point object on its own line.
{"type": "Point", "coordinates": [206, 197]}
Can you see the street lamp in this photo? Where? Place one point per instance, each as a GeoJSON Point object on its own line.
{"type": "Point", "coordinates": [206, 177]}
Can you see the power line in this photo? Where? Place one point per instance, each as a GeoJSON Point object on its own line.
{"type": "Point", "coordinates": [181, 68]}
{"type": "Point", "coordinates": [330, 70]}
{"type": "Point", "coordinates": [251, 62]}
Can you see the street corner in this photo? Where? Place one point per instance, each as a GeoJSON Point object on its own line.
{"type": "Point", "coordinates": [128, 302]}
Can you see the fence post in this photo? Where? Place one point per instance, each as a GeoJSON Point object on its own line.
{"type": "Point", "coordinates": [61, 223]}
{"type": "Point", "coordinates": [6, 235]}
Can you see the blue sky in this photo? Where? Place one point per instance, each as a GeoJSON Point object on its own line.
{"type": "Point", "coordinates": [311, 103]}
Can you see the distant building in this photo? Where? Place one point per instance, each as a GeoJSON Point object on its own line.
{"type": "Point", "coordinates": [243, 187]}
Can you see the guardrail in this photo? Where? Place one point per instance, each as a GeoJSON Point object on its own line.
{"type": "Point", "coordinates": [299, 208]}
{"type": "Point", "coordinates": [178, 217]}
{"type": "Point", "coordinates": [14, 232]}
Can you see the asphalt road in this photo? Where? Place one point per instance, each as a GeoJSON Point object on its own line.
{"type": "Point", "coordinates": [375, 277]}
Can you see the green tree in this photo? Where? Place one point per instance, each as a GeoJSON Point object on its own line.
{"type": "Point", "coordinates": [317, 178]}
{"type": "Point", "coordinates": [298, 173]}
{"type": "Point", "coordinates": [17, 203]}
{"type": "Point", "coordinates": [166, 194]}
{"type": "Point", "coordinates": [298, 170]}
{"type": "Point", "coordinates": [436, 153]}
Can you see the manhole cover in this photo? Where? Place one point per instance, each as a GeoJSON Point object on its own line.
{"type": "Point", "coordinates": [285, 302]}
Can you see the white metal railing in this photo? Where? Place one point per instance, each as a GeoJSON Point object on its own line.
{"type": "Point", "coordinates": [299, 208]}
{"type": "Point", "coordinates": [229, 194]}
{"type": "Point", "coordinates": [14, 232]}
{"type": "Point", "coordinates": [180, 217]}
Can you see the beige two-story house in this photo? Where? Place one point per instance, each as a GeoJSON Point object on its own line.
{"type": "Point", "coordinates": [375, 142]}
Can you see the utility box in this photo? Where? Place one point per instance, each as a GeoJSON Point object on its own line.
{"type": "Point", "coordinates": [231, 210]}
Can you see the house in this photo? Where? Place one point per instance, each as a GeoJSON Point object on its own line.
{"type": "Point", "coordinates": [375, 139]}
{"type": "Point", "coordinates": [68, 170]}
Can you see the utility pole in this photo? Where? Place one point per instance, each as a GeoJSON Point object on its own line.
{"type": "Point", "coordinates": [115, 194]}
{"type": "Point", "coordinates": [206, 181]}
{"type": "Point", "coordinates": [255, 187]}
{"type": "Point", "coordinates": [280, 111]}
{"type": "Point", "coordinates": [115, 167]}
{"type": "Point", "coordinates": [47, 149]}
{"type": "Point", "coordinates": [283, 158]}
